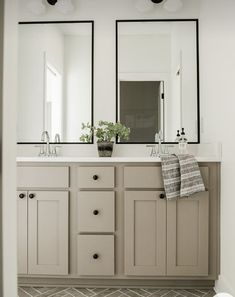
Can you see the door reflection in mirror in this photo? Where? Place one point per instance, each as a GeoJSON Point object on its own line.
{"type": "Point", "coordinates": [142, 108]}
{"type": "Point", "coordinates": [53, 104]}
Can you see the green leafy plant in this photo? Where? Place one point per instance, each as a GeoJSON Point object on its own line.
{"type": "Point", "coordinates": [87, 137]}
{"type": "Point", "coordinates": [105, 131]}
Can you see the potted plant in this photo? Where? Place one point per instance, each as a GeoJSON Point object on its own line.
{"type": "Point", "coordinates": [105, 132]}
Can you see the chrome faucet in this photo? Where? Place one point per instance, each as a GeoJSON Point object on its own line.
{"type": "Point", "coordinates": [54, 147]}
{"type": "Point", "coordinates": [158, 150]}
{"type": "Point", "coordinates": [57, 138]}
{"type": "Point", "coordinates": [46, 138]}
{"type": "Point", "coordinates": [158, 139]}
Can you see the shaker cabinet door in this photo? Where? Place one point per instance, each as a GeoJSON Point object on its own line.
{"type": "Point", "coordinates": [22, 236]}
{"type": "Point", "coordinates": [187, 236]}
{"type": "Point", "coordinates": [145, 233]}
{"type": "Point", "coordinates": [48, 232]}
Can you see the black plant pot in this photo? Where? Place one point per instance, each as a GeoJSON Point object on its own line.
{"type": "Point", "coordinates": [105, 149]}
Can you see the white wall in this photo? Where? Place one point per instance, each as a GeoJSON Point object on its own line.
{"type": "Point", "coordinates": [8, 153]}
{"type": "Point", "coordinates": [34, 44]}
{"type": "Point", "coordinates": [144, 53]}
{"type": "Point", "coordinates": [104, 13]}
{"type": "Point", "coordinates": [77, 96]}
{"type": "Point", "coordinates": [218, 108]}
{"type": "Point", "coordinates": [184, 55]}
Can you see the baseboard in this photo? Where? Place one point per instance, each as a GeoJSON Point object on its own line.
{"type": "Point", "coordinates": [222, 285]}
{"type": "Point", "coordinates": [116, 283]}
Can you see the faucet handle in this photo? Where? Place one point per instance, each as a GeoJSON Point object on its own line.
{"type": "Point", "coordinates": [41, 151]}
{"type": "Point", "coordinates": [153, 152]}
{"type": "Point", "coordinates": [57, 138]}
{"type": "Point", "coordinates": [54, 150]}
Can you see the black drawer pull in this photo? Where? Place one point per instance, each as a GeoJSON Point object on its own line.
{"type": "Point", "coordinates": [95, 256]}
{"type": "Point", "coordinates": [95, 177]}
{"type": "Point", "coordinates": [22, 196]}
{"type": "Point", "coordinates": [31, 196]}
{"type": "Point", "coordinates": [95, 212]}
{"type": "Point", "coordinates": [162, 196]}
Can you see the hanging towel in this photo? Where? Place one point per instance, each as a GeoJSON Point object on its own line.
{"type": "Point", "coordinates": [181, 176]}
{"type": "Point", "coordinates": [190, 175]}
{"type": "Point", "coordinates": [171, 176]}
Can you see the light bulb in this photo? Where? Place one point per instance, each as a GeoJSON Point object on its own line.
{"type": "Point", "coordinates": [36, 7]}
{"type": "Point", "coordinates": [173, 5]}
{"type": "Point", "coordinates": [64, 6]}
{"type": "Point", "coordinates": [144, 5]}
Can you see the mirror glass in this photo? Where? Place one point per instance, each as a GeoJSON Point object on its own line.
{"type": "Point", "coordinates": [157, 79]}
{"type": "Point", "coordinates": [55, 80]}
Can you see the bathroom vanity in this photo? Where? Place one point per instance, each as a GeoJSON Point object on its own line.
{"type": "Point", "coordinates": [106, 221]}
{"type": "Point", "coordinates": [93, 221]}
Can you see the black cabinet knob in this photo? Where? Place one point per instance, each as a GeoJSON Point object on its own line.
{"type": "Point", "coordinates": [21, 195]}
{"type": "Point", "coordinates": [31, 196]}
{"type": "Point", "coordinates": [95, 256]}
{"type": "Point", "coordinates": [95, 177]}
{"type": "Point", "coordinates": [95, 212]}
{"type": "Point", "coordinates": [162, 196]}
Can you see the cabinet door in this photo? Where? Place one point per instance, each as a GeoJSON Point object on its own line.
{"type": "Point", "coordinates": [145, 233]}
{"type": "Point", "coordinates": [187, 236]}
{"type": "Point", "coordinates": [22, 216]}
{"type": "Point", "coordinates": [48, 232]}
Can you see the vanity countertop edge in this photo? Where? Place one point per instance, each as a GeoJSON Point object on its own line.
{"type": "Point", "coordinates": [212, 159]}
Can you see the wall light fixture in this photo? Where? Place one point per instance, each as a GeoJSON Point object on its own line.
{"type": "Point", "coordinates": [148, 5]}
{"type": "Point", "coordinates": [39, 7]}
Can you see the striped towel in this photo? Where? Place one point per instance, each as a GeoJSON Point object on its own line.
{"type": "Point", "coordinates": [191, 179]}
{"type": "Point", "coordinates": [171, 176]}
{"type": "Point", "coordinates": [181, 176]}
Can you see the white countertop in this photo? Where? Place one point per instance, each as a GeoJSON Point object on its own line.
{"type": "Point", "coordinates": [104, 160]}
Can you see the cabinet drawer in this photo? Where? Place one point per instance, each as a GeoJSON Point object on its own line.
{"type": "Point", "coordinates": [151, 177]}
{"type": "Point", "coordinates": [43, 177]}
{"type": "Point", "coordinates": [95, 177]}
{"type": "Point", "coordinates": [96, 212]}
{"type": "Point", "coordinates": [95, 255]}
{"type": "Point", "coordinates": [143, 177]}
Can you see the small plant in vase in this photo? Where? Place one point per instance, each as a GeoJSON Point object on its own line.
{"type": "Point", "coordinates": [106, 133]}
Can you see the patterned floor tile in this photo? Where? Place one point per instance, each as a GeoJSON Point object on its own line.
{"type": "Point", "coordinates": [134, 292]}
{"type": "Point", "coordinates": [111, 292]}
{"type": "Point", "coordinates": [75, 292]}
{"type": "Point", "coordinates": [163, 293]}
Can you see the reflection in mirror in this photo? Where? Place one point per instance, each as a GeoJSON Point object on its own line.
{"type": "Point", "coordinates": [157, 79]}
{"type": "Point", "coordinates": [55, 80]}
{"type": "Point", "coordinates": [144, 116]}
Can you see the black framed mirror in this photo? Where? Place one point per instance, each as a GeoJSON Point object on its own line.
{"type": "Point", "coordinates": [56, 70]}
{"type": "Point", "coordinates": [157, 79]}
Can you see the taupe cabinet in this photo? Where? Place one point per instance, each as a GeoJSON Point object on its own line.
{"type": "Point", "coordinates": [117, 229]}
{"type": "Point", "coordinates": [145, 233]}
{"type": "Point", "coordinates": [96, 218]}
{"type": "Point", "coordinates": [42, 228]}
{"type": "Point", "coordinates": [43, 232]}
{"type": "Point", "coordinates": [188, 236]}
{"type": "Point", "coordinates": [166, 237]}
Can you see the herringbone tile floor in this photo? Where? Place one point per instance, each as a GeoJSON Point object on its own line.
{"type": "Point", "coordinates": [101, 292]}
